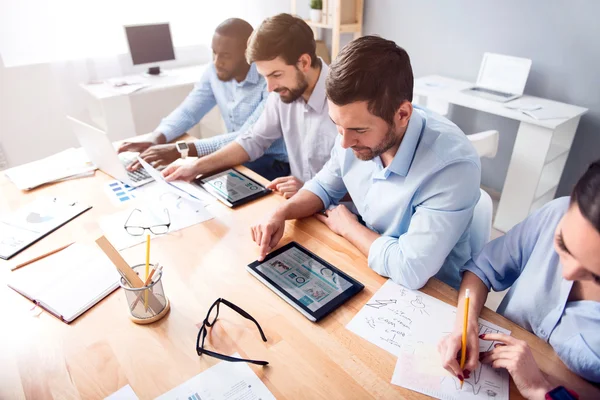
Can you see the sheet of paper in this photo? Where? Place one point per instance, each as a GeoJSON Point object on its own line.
{"type": "Point", "coordinates": [125, 393]}
{"type": "Point", "coordinates": [182, 213]}
{"type": "Point", "coordinates": [67, 163]}
{"type": "Point", "coordinates": [186, 190]}
{"type": "Point", "coordinates": [33, 220]}
{"type": "Point", "coordinates": [409, 324]}
{"type": "Point", "coordinates": [393, 313]}
{"type": "Point", "coordinates": [224, 381]}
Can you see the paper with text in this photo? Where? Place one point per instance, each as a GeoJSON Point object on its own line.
{"type": "Point", "coordinates": [409, 324]}
{"type": "Point", "coordinates": [224, 381]}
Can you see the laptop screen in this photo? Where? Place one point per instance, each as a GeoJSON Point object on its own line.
{"type": "Point", "coordinates": [503, 73]}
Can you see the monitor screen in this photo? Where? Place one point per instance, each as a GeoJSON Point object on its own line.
{"type": "Point", "coordinates": [150, 43]}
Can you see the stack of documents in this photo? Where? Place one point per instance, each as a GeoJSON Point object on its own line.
{"type": "Point", "coordinates": [67, 164]}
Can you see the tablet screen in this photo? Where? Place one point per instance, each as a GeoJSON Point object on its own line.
{"type": "Point", "coordinates": [232, 185]}
{"type": "Point", "coordinates": [304, 278]}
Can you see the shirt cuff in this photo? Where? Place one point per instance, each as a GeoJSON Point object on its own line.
{"type": "Point", "coordinates": [314, 187]}
{"type": "Point", "coordinates": [473, 268]}
{"type": "Point", "coordinates": [377, 251]}
{"type": "Point", "coordinates": [167, 132]}
{"type": "Point", "coordinates": [201, 148]}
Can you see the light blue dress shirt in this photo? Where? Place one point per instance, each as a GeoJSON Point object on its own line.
{"type": "Point", "coordinates": [421, 204]}
{"type": "Point", "coordinates": [240, 104]}
{"type": "Point", "coordinates": [308, 131]}
{"type": "Point", "coordinates": [524, 260]}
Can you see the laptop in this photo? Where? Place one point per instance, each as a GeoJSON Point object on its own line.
{"type": "Point", "coordinates": [101, 152]}
{"type": "Point", "coordinates": [501, 78]}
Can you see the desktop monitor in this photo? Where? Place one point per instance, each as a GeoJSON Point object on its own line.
{"type": "Point", "coordinates": [150, 44]}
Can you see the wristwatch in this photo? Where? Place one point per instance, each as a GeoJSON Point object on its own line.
{"type": "Point", "coordinates": [561, 393]}
{"type": "Point", "coordinates": [183, 148]}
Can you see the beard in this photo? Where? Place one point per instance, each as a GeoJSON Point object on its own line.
{"type": "Point", "coordinates": [390, 140]}
{"type": "Point", "coordinates": [288, 95]}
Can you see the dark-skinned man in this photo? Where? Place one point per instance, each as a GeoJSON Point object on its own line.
{"type": "Point", "coordinates": [236, 88]}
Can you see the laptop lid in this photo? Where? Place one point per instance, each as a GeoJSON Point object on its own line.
{"type": "Point", "coordinates": [502, 73]}
{"type": "Point", "coordinates": [99, 149]}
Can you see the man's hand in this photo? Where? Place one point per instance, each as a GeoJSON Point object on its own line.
{"type": "Point", "coordinates": [339, 219]}
{"type": "Point", "coordinates": [287, 185]}
{"type": "Point", "coordinates": [515, 356]}
{"type": "Point", "coordinates": [186, 172]}
{"type": "Point", "coordinates": [142, 143]}
{"type": "Point", "coordinates": [268, 233]}
{"type": "Point", "coordinates": [161, 154]}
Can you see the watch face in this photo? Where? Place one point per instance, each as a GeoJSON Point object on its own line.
{"type": "Point", "coordinates": [182, 146]}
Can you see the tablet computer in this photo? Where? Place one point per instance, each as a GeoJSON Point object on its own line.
{"type": "Point", "coordinates": [307, 282]}
{"type": "Point", "coordinates": [233, 188]}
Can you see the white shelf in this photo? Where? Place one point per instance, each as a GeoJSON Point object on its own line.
{"type": "Point", "coordinates": [344, 28]}
{"type": "Point", "coordinates": [555, 151]}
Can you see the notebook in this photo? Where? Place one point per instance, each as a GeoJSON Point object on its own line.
{"type": "Point", "coordinates": [33, 221]}
{"type": "Point", "coordinates": [68, 283]}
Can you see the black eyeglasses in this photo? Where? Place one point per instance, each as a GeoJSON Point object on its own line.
{"type": "Point", "coordinates": [136, 230]}
{"type": "Point", "coordinates": [209, 321]}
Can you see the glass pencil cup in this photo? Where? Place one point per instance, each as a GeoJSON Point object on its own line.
{"type": "Point", "coordinates": [146, 304]}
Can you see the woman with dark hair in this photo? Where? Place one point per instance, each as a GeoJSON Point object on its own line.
{"type": "Point", "coordinates": [551, 263]}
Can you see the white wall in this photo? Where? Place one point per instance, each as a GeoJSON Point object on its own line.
{"type": "Point", "coordinates": [35, 99]}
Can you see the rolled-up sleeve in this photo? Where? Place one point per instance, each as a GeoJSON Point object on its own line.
{"type": "Point", "coordinates": [502, 260]}
{"type": "Point", "coordinates": [267, 129]}
{"type": "Point", "coordinates": [443, 213]}
{"type": "Point", "coordinates": [328, 184]}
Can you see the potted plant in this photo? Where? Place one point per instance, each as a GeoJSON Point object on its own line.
{"type": "Point", "coordinates": [315, 10]}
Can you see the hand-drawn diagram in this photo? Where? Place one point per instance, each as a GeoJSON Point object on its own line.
{"type": "Point", "coordinates": [409, 324]}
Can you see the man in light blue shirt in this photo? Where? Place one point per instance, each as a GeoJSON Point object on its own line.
{"type": "Point", "coordinates": [240, 93]}
{"type": "Point", "coordinates": [550, 263]}
{"type": "Point", "coordinates": [412, 175]}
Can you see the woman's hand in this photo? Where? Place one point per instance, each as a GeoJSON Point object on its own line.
{"type": "Point", "coordinates": [450, 347]}
{"type": "Point", "coordinates": [515, 356]}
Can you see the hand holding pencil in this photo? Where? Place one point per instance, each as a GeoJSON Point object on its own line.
{"type": "Point", "coordinates": [459, 350]}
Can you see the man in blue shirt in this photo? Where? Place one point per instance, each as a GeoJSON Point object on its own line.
{"type": "Point", "coordinates": [239, 91]}
{"type": "Point", "coordinates": [412, 175]}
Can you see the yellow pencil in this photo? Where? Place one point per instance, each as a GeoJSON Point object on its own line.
{"type": "Point", "coordinates": [463, 351]}
{"type": "Point", "coordinates": [147, 270]}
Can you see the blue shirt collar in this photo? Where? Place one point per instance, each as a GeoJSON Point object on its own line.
{"type": "Point", "coordinates": [252, 77]}
{"type": "Point", "coordinates": [403, 159]}
{"type": "Point", "coordinates": [318, 97]}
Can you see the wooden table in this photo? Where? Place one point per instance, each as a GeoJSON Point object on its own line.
{"type": "Point", "coordinates": [43, 358]}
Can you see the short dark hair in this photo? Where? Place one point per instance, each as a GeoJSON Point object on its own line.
{"type": "Point", "coordinates": [587, 194]}
{"type": "Point", "coordinates": [371, 69]}
{"type": "Point", "coordinates": [236, 28]}
{"type": "Point", "coordinates": [282, 36]}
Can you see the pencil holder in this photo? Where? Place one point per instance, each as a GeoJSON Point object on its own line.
{"type": "Point", "coordinates": [146, 304]}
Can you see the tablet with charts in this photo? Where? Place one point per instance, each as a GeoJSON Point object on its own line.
{"type": "Point", "coordinates": [233, 188]}
{"type": "Point", "coordinates": [307, 282]}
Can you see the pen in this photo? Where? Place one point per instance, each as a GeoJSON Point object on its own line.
{"type": "Point", "coordinates": [463, 351]}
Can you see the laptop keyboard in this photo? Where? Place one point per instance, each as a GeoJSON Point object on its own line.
{"type": "Point", "coordinates": [138, 175]}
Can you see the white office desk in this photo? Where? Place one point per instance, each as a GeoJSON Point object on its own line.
{"type": "Point", "coordinates": [123, 115]}
{"type": "Point", "coordinates": [539, 154]}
